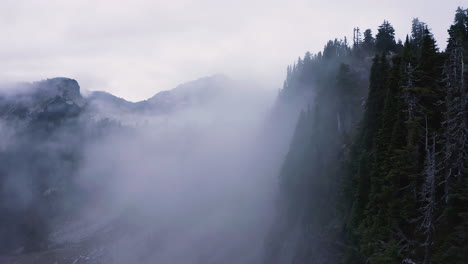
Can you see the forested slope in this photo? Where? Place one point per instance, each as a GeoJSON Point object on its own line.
{"type": "Point", "coordinates": [377, 168]}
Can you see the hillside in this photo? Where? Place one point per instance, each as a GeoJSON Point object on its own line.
{"type": "Point", "coordinates": [377, 169]}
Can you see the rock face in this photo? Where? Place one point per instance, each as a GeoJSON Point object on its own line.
{"type": "Point", "coordinates": [61, 87]}
{"type": "Point", "coordinates": [51, 100]}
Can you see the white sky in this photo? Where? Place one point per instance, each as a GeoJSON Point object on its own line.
{"type": "Point", "coordinates": [135, 48]}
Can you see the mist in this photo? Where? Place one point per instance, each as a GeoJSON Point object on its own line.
{"type": "Point", "coordinates": [188, 187]}
{"type": "Point", "coordinates": [194, 183]}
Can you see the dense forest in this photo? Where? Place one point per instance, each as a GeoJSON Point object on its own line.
{"type": "Point", "coordinates": [377, 168]}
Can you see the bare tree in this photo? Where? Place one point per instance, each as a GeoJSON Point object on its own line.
{"type": "Point", "coordinates": [456, 132]}
{"type": "Point", "coordinates": [428, 193]}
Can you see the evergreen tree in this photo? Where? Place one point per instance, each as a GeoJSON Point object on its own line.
{"type": "Point", "coordinates": [417, 34]}
{"type": "Point", "coordinates": [385, 38]}
{"type": "Point", "coordinates": [368, 43]}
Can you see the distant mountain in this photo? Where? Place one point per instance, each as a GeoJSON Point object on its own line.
{"type": "Point", "coordinates": [109, 105]}
{"type": "Point", "coordinates": [203, 90]}
{"type": "Point", "coordinates": [45, 126]}
{"type": "Point", "coordinates": [51, 132]}
{"type": "Point", "coordinates": [198, 93]}
{"type": "Point", "coordinates": [60, 97]}
{"type": "Point", "coordinates": [50, 99]}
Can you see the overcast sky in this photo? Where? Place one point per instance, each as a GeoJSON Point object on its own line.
{"type": "Point", "coordinates": [136, 48]}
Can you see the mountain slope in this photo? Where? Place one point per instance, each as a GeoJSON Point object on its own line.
{"type": "Point", "coordinates": [375, 182]}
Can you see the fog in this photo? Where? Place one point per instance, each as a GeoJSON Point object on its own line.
{"type": "Point", "coordinates": [194, 185]}
{"type": "Point", "coordinates": [193, 181]}
{"type": "Point", "coordinates": [191, 188]}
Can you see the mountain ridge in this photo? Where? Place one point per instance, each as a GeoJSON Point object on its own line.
{"type": "Point", "coordinates": [61, 94]}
